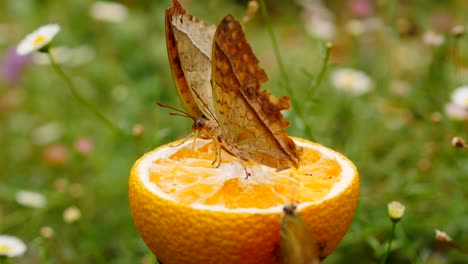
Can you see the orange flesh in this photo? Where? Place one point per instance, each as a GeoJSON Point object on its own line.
{"type": "Point", "coordinates": [189, 177]}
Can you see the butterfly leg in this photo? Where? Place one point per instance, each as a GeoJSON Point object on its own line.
{"type": "Point", "coordinates": [217, 153]}
{"type": "Point", "coordinates": [186, 138]}
{"type": "Point", "coordinates": [247, 172]}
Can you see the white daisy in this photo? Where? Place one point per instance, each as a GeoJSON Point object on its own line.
{"type": "Point", "coordinates": [47, 232]}
{"type": "Point", "coordinates": [318, 19]}
{"type": "Point", "coordinates": [71, 214]}
{"type": "Point", "coordinates": [358, 27]}
{"type": "Point", "coordinates": [455, 112]}
{"type": "Point", "coordinates": [11, 246]}
{"type": "Point", "coordinates": [351, 80]}
{"type": "Point", "coordinates": [432, 38]}
{"type": "Point", "coordinates": [108, 11]}
{"type": "Point", "coordinates": [460, 97]}
{"type": "Point", "coordinates": [396, 210]}
{"type": "Point", "coordinates": [47, 134]}
{"type": "Point", "coordinates": [38, 39]}
{"type": "Point", "coordinates": [442, 236]}
{"type": "Point", "coordinates": [31, 199]}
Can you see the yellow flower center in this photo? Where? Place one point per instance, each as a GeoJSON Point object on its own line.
{"type": "Point", "coordinates": [348, 81]}
{"type": "Point", "coordinates": [39, 39]}
{"type": "Point", "coordinates": [4, 250]}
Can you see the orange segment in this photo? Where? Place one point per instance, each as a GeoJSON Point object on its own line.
{"type": "Point", "coordinates": [185, 209]}
{"type": "Point", "coordinates": [188, 176]}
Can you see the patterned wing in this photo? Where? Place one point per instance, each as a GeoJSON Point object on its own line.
{"type": "Point", "coordinates": [252, 125]}
{"type": "Point", "coordinates": [297, 243]}
{"type": "Point", "coordinates": [189, 42]}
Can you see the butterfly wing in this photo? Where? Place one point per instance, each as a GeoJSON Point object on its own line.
{"type": "Point", "coordinates": [189, 42]}
{"type": "Point", "coordinates": [252, 125]}
{"type": "Point", "coordinates": [297, 244]}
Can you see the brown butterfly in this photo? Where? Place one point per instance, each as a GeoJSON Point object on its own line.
{"type": "Point", "coordinates": [250, 119]}
{"type": "Point", "coordinates": [247, 121]}
{"type": "Point", "coordinates": [297, 244]}
{"type": "Point", "coordinates": [189, 41]}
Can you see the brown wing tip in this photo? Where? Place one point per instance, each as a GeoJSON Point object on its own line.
{"type": "Point", "coordinates": [230, 19]}
{"type": "Point", "coordinates": [176, 8]}
{"type": "Point", "coordinates": [283, 103]}
{"type": "Point", "coordinates": [227, 23]}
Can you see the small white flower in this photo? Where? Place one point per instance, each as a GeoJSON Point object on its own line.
{"type": "Point", "coordinates": [351, 80]}
{"type": "Point", "coordinates": [11, 246]}
{"type": "Point", "coordinates": [71, 214]}
{"type": "Point", "coordinates": [37, 39]}
{"type": "Point", "coordinates": [431, 38]}
{"type": "Point", "coordinates": [321, 28]}
{"type": "Point", "coordinates": [396, 210]}
{"type": "Point", "coordinates": [399, 87]}
{"type": "Point", "coordinates": [455, 112]}
{"type": "Point", "coordinates": [318, 19]}
{"type": "Point", "coordinates": [442, 237]}
{"type": "Point", "coordinates": [108, 11]}
{"type": "Point", "coordinates": [47, 232]}
{"type": "Point", "coordinates": [46, 134]}
{"type": "Point", "coordinates": [31, 199]}
{"type": "Point", "coordinates": [460, 97]}
{"type": "Point", "coordinates": [357, 27]}
{"type": "Point", "coordinates": [458, 31]}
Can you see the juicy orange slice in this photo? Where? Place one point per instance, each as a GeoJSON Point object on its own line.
{"type": "Point", "coordinates": [188, 211]}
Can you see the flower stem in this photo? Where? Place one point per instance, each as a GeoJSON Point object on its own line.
{"type": "Point", "coordinates": [389, 247]}
{"type": "Point", "coordinates": [82, 100]}
{"type": "Point", "coordinates": [323, 69]}
{"type": "Point", "coordinates": [295, 104]}
{"type": "Point", "coordinates": [274, 42]}
{"type": "Point", "coordinates": [457, 247]}
{"type": "Point", "coordinates": [314, 88]}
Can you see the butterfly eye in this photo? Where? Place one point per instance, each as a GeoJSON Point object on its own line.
{"type": "Point", "coordinates": [198, 124]}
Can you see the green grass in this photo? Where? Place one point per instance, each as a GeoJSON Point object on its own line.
{"type": "Point", "coordinates": [402, 152]}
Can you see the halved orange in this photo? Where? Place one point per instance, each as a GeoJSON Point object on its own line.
{"type": "Point", "coordinates": [188, 211]}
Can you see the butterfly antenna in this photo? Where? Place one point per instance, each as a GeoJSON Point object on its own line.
{"type": "Point", "coordinates": [177, 111]}
{"type": "Point", "coordinates": [205, 106]}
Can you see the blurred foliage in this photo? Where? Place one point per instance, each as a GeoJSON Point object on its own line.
{"type": "Point", "coordinates": [397, 134]}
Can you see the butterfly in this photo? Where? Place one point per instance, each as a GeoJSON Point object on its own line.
{"type": "Point", "coordinates": [297, 244]}
{"type": "Point", "coordinates": [189, 41]}
{"type": "Point", "coordinates": [242, 120]}
{"type": "Point", "coordinates": [252, 126]}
